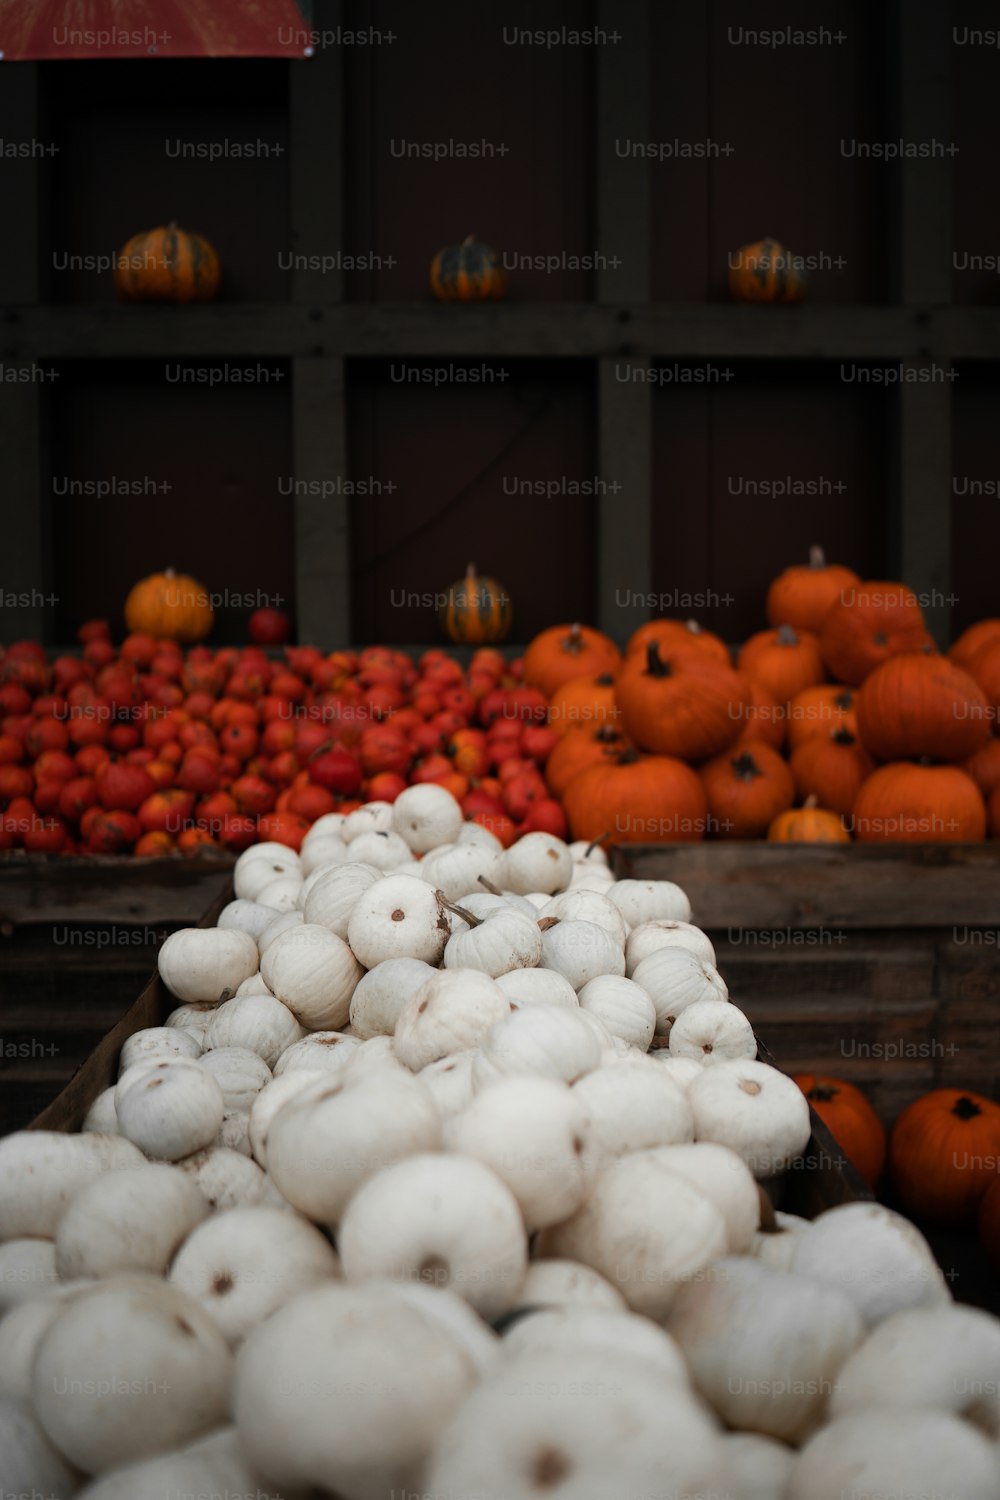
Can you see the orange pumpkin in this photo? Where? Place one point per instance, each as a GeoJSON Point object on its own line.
{"type": "Point", "coordinates": [746, 791]}
{"type": "Point", "coordinates": [801, 596]}
{"type": "Point", "coordinates": [944, 1155]}
{"type": "Point", "coordinates": [868, 624]}
{"type": "Point", "coordinates": [808, 824]}
{"type": "Point", "coordinates": [766, 272]}
{"type": "Point", "coordinates": [850, 1119]}
{"type": "Point", "coordinates": [671, 633]}
{"type": "Point", "coordinates": [566, 651]}
{"type": "Point", "coordinates": [581, 747]}
{"type": "Point", "coordinates": [636, 799]}
{"type": "Point", "coordinates": [680, 704]}
{"type": "Point", "coordinates": [766, 718]}
{"type": "Point", "coordinates": [832, 769]}
{"type": "Point", "coordinates": [905, 803]}
{"type": "Point", "coordinates": [983, 633]}
{"type": "Point", "coordinates": [993, 812]}
{"type": "Point", "coordinates": [984, 668]}
{"type": "Point", "coordinates": [817, 711]}
{"type": "Point", "coordinates": [989, 1222]}
{"type": "Point", "coordinates": [170, 607]}
{"type": "Point", "coordinates": [984, 766]}
{"type": "Point", "coordinates": [784, 661]}
{"type": "Point", "coordinates": [167, 265]}
{"type": "Point", "coordinates": [921, 704]}
{"type": "Point", "coordinates": [469, 272]}
{"type": "Point", "coordinates": [477, 610]}
{"type": "Point", "coordinates": [583, 702]}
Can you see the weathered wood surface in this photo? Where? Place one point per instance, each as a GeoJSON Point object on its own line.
{"type": "Point", "coordinates": [95, 889]}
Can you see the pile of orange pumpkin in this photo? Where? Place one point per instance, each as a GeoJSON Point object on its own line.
{"type": "Point", "coordinates": [941, 1162]}
{"type": "Point", "coordinates": [841, 721]}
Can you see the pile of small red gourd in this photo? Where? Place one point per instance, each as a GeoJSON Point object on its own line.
{"type": "Point", "coordinates": [145, 748]}
{"type": "Point", "coordinates": [842, 720]}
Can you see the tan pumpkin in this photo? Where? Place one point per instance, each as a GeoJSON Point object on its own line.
{"type": "Point", "coordinates": [170, 607]}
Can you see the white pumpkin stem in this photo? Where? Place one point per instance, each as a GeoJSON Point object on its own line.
{"type": "Point", "coordinates": [488, 885]}
{"type": "Point", "coordinates": [544, 923]}
{"type": "Point", "coordinates": [768, 1221]}
{"type": "Point", "coordinates": [817, 557]}
{"type": "Point", "coordinates": [459, 911]}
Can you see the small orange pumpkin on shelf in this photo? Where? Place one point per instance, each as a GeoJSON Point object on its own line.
{"type": "Point", "coordinates": [808, 824]}
{"type": "Point", "coordinates": [832, 768]}
{"type": "Point", "coordinates": [869, 623]}
{"type": "Point", "coordinates": [984, 668]}
{"type": "Point", "coordinates": [921, 704]}
{"type": "Point", "coordinates": [766, 718]}
{"type": "Point", "coordinates": [984, 766]}
{"type": "Point", "coordinates": [746, 791]}
{"type": "Point", "coordinates": [848, 1115]}
{"type": "Point", "coordinates": [636, 799]}
{"type": "Point", "coordinates": [170, 607]}
{"type": "Point", "coordinates": [982, 633]}
{"type": "Point", "coordinates": [670, 634]}
{"type": "Point", "coordinates": [583, 701]}
{"type": "Point", "coordinates": [802, 595]}
{"type": "Point", "coordinates": [565, 651]}
{"type": "Point", "coordinates": [680, 703]}
{"type": "Point", "coordinates": [817, 711]}
{"type": "Point", "coordinates": [579, 748]}
{"type": "Point", "coordinates": [167, 265]}
{"type": "Point", "coordinates": [469, 272]}
{"type": "Point", "coordinates": [944, 1155]}
{"type": "Point", "coordinates": [783, 660]}
{"type": "Point", "coordinates": [476, 611]}
{"type": "Point", "coordinates": [765, 272]}
{"type": "Point", "coordinates": [906, 803]}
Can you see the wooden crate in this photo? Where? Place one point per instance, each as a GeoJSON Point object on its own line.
{"type": "Point", "coordinates": [78, 939]}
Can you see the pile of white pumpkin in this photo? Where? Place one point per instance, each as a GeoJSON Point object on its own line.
{"type": "Point", "coordinates": [444, 1179]}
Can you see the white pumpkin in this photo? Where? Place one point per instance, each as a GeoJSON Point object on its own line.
{"type": "Point", "coordinates": [32, 1464]}
{"type": "Point", "coordinates": [131, 1336]}
{"type": "Point", "coordinates": [234, 1131]}
{"type": "Point", "coordinates": [329, 823]}
{"type": "Point", "coordinates": [260, 864]}
{"type": "Point", "coordinates": [683, 1070]}
{"type": "Point", "coordinates": [194, 1019]}
{"type": "Point", "coordinates": [759, 1467]}
{"type": "Point", "coordinates": [527, 987]}
{"type": "Point", "coordinates": [252, 986]}
{"type": "Point", "coordinates": [382, 993]}
{"type": "Point", "coordinates": [625, 1008]}
{"type": "Point", "coordinates": [549, 1040]}
{"type": "Point", "coordinates": [643, 1227]}
{"type": "Point", "coordinates": [42, 1170]}
{"type": "Point", "coordinates": [591, 878]}
{"type": "Point", "coordinates": [215, 1466]}
{"type": "Point", "coordinates": [764, 1348]}
{"type": "Point", "coordinates": [878, 1258]}
{"type": "Point", "coordinates": [722, 1176]}
{"type": "Point", "coordinates": [452, 1011]}
{"type": "Point", "coordinates": [171, 1112]}
{"type": "Point", "coordinates": [102, 1116]}
{"type": "Point", "coordinates": [206, 963]}
{"type": "Point", "coordinates": [346, 1389]}
{"type": "Point", "coordinates": [776, 1247]}
{"type": "Point", "coordinates": [576, 905]}
{"type": "Point", "coordinates": [323, 853]}
{"type": "Point", "coordinates": [385, 850]}
{"type": "Point", "coordinates": [247, 916]}
{"type": "Point", "coordinates": [713, 1031]}
{"type": "Point", "coordinates": [460, 1321]}
{"type": "Point", "coordinates": [632, 1109]}
{"type": "Point", "coordinates": [373, 817]}
{"type": "Point", "coordinates": [323, 1051]}
{"type": "Point", "coordinates": [282, 893]}
{"type": "Point", "coordinates": [444, 1219]}
{"type": "Point", "coordinates": [273, 1097]}
{"type": "Point", "coordinates": [502, 941]}
{"type": "Point", "coordinates": [535, 1135]}
{"type": "Point", "coordinates": [537, 862]}
{"type": "Point", "coordinates": [27, 1269]}
{"type": "Point", "coordinates": [314, 973]}
{"type": "Point", "coordinates": [675, 978]}
{"type": "Point", "coordinates": [590, 1425]}
{"type": "Point", "coordinates": [153, 1043]}
{"type": "Point", "coordinates": [335, 895]}
{"type": "Point", "coordinates": [375, 1053]}
{"type": "Point", "coordinates": [475, 833]}
{"type": "Point", "coordinates": [650, 901]}
{"type": "Point", "coordinates": [752, 1108]}
{"type": "Point", "coordinates": [260, 1023]}
{"type": "Point", "coordinates": [21, 1331]}
{"type": "Point", "coordinates": [451, 1082]}
{"type": "Point", "coordinates": [587, 854]}
{"type": "Point", "coordinates": [455, 869]}
{"type": "Point", "coordinates": [128, 1221]}
{"type": "Point", "coordinates": [892, 1454]}
{"type": "Point", "coordinates": [398, 917]}
{"type": "Point", "coordinates": [944, 1358]}
{"type": "Point", "coordinates": [226, 1178]}
{"type": "Point", "coordinates": [566, 1283]}
{"type": "Point", "coordinates": [243, 1264]}
{"type": "Point", "coordinates": [240, 1074]}
{"type": "Point", "coordinates": [482, 903]}
{"type": "Point", "coordinates": [277, 925]}
{"type": "Point", "coordinates": [426, 816]}
{"type": "Point", "coordinates": [324, 1144]}
{"type": "Point", "coordinates": [580, 951]}
{"type": "Point", "coordinates": [650, 937]}
{"type": "Point", "coordinates": [578, 1331]}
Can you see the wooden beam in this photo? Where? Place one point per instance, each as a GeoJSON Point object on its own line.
{"type": "Point", "coordinates": [25, 583]}
{"type": "Point", "coordinates": [319, 463]}
{"type": "Point", "coordinates": [922, 521]}
{"type": "Point", "coordinates": [316, 165]}
{"type": "Point", "coordinates": [624, 405]}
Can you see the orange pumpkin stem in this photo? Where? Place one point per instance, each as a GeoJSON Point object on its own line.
{"type": "Point", "coordinates": [786, 636]}
{"type": "Point", "coordinates": [745, 768]}
{"type": "Point", "coordinates": [817, 557]}
{"type": "Point", "coordinates": [965, 1109]}
{"type": "Point", "coordinates": [655, 665]}
{"type": "Point", "coordinates": [843, 736]}
{"type": "Point", "coordinates": [470, 239]}
{"type": "Point", "coordinates": [574, 641]}
{"type": "Point", "coordinates": [811, 801]}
